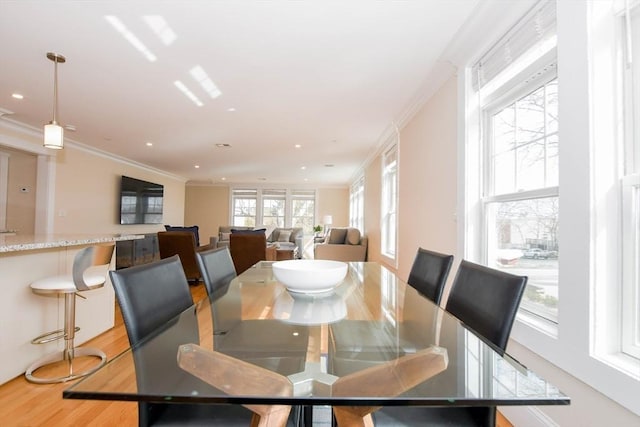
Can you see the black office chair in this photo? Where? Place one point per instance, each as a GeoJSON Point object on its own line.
{"type": "Point", "coordinates": [150, 295]}
{"type": "Point", "coordinates": [429, 273]}
{"type": "Point", "coordinates": [485, 300]}
{"type": "Point", "coordinates": [217, 270]}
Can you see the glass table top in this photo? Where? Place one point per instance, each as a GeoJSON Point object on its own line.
{"type": "Point", "coordinates": [374, 340]}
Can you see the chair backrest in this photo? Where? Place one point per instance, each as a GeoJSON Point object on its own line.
{"type": "Point", "coordinates": [180, 243]}
{"type": "Point", "coordinates": [429, 273]}
{"type": "Point", "coordinates": [217, 269]}
{"type": "Point", "coordinates": [193, 229]}
{"type": "Point", "coordinates": [151, 294]}
{"type": "Point", "coordinates": [90, 266]}
{"type": "Point", "coordinates": [247, 249]}
{"type": "Point", "coordinates": [486, 300]}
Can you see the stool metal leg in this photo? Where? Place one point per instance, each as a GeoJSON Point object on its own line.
{"type": "Point", "coordinates": [69, 352]}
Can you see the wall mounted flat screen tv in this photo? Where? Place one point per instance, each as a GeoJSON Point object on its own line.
{"type": "Point", "coordinates": [140, 201]}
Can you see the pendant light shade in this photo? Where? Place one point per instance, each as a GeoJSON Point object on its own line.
{"type": "Point", "coordinates": [53, 132]}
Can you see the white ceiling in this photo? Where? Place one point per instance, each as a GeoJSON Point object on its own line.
{"type": "Point", "coordinates": [332, 76]}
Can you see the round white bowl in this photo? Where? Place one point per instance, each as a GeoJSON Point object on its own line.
{"type": "Point", "coordinates": [310, 276]}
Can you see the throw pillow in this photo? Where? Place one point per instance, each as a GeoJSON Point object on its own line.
{"type": "Point", "coordinates": [284, 235]}
{"type": "Point", "coordinates": [353, 236]}
{"type": "Point", "coordinates": [193, 229]}
{"type": "Point", "coordinates": [337, 236]}
{"type": "Point", "coordinates": [224, 236]}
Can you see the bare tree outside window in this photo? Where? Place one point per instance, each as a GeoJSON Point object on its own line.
{"type": "Point", "coordinates": [522, 200]}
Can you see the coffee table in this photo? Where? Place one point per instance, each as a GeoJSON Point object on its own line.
{"type": "Point", "coordinates": [285, 254]}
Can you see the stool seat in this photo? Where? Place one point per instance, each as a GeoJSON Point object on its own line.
{"type": "Point", "coordinates": [89, 272]}
{"type": "Point", "coordinates": [65, 284]}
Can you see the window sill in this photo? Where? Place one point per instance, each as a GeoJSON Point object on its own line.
{"type": "Point", "coordinates": [539, 324]}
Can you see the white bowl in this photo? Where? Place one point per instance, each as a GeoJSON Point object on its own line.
{"type": "Point", "coordinates": [310, 276]}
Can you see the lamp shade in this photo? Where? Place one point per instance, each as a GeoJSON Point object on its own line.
{"type": "Point", "coordinates": [327, 220]}
{"type": "Point", "coordinates": [53, 136]}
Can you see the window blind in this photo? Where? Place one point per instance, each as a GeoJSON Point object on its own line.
{"type": "Point", "coordinates": [536, 27]}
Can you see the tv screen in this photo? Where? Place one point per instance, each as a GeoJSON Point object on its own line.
{"type": "Point", "coordinates": [140, 201]}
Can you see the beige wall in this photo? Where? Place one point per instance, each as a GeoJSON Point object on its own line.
{"type": "Point", "coordinates": [208, 208]}
{"type": "Point", "coordinates": [428, 179]}
{"type": "Point", "coordinates": [91, 204]}
{"type": "Point", "coordinates": [334, 202]}
{"type": "Point", "coordinates": [21, 204]}
{"type": "Point", "coordinates": [86, 189]}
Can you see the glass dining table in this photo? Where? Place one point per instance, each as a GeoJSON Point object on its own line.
{"type": "Point", "coordinates": [372, 341]}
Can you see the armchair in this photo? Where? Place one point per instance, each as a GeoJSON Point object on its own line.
{"type": "Point", "coordinates": [247, 248]}
{"type": "Point", "coordinates": [183, 244]}
{"type": "Point", "coordinates": [342, 244]}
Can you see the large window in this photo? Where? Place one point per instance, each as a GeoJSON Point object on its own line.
{"type": "Point", "coordinates": [519, 150]}
{"type": "Point", "coordinates": [630, 182]}
{"type": "Point", "coordinates": [356, 204]}
{"type": "Point", "coordinates": [389, 201]}
{"type": "Point", "coordinates": [244, 202]}
{"type": "Point", "coordinates": [303, 204]}
{"type": "Point", "coordinates": [275, 207]}
{"type": "Point", "coordinates": [273, 204]}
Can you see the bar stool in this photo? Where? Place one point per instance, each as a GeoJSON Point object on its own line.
{"type": "Point", "coordinates": [89, 272]}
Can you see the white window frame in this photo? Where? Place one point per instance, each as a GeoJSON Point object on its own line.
{"type": "Point", "coordinates": [356, 204]}
{"type": "Point", "coordinates": [630, 180]}
{"type": "Point", "coordinates": [261, 194]}
{"type": "Point", "coordinates": [586, 343]}
{"type": "Point", "coordinates": [389, 202]}
{"type": "Point", "coordinates": [508, 97]}
{"type": "Point", "coordinates": [496, 81]}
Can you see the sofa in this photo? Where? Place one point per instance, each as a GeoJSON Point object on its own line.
{"type": "Point", "coordinates": [281, 237]}
{"type": "Point", "coordinates": [342, 244]}
{"type": "Point", "coordinates": [288, 238]}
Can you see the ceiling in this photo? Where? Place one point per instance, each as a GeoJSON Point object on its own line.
{"type": "Point", "coordinates": [331, 76]}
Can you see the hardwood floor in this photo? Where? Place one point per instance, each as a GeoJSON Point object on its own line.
{"type": "Point", "coordinates": [23, 404]}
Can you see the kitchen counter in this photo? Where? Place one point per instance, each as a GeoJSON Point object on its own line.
{"type": "Point", "coordinates": [18, 242]}
{"type": "Point", "coordinates": [25, 315]}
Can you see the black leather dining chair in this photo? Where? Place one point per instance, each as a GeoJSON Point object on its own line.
{"type": "Point", "coordinates": [429, 273]}
{"type": "Point", "coordinates": [150, 295]}
{"type": "Point", "coordinates": [486, 300]}
{"type": "Point", "coordinates": [217, 269]}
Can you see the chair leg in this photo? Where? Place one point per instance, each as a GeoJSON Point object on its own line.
{"type": "Point", "coordinates": [69, 353]}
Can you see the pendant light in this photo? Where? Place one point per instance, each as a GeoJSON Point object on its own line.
{"type": "Point", "coordinates": [53, 132]}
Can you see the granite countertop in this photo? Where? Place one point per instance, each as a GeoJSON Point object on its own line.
{"type": "Point", "coordinates": [18, 242]}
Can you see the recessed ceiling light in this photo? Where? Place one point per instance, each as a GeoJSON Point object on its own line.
{"type": "Point", "coordinates": [306, 179]}
{"type": "Point", "coordinates": [223, 145]}
{"type": "Point", "coordinates": [303, 167]}
{"type": "Point", "coordinates": [298, 146]}
{"type": "Point", "coordinates": [17, 96]}
{"type": "Point", "coordinates": [197, 166]}
{"type": "Point", "coordinates": [224, 178]}
{"type": "Point", "coordinates": [149, 144]}
{"type": "Point", "coordinates": [231, 109]}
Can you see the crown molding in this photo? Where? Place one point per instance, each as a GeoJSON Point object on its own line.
{"type": "Point", "coordinates": [36, 133]}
